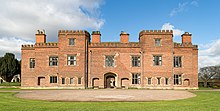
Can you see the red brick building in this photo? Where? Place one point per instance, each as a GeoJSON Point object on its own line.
{"type": "Point", "coordinates": [77, 61]}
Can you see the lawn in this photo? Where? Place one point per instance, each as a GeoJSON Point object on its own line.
{"type": "Point", "coordinates": [10, 84]}
{"type": "Point", "coordinates": [204, 101]}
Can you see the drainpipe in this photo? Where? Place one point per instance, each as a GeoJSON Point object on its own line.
{"type": "Point", "coordinates": [90, 65]}
{"type": "Point", "coordinates": [142, 68]}
{"type": "Point", "coordinates": [172, 64]}
{"type": "Point", "coordinates": [86, 64]}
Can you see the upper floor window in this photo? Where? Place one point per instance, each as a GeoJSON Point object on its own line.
{"type": "Point", "coordinates": [53, 61]}
{"type": "Point", "coordinates": [136, 78]}
{"type": "Point", "coordinates": [177, 79]}
{"type": "Point", "coordinates": [157, 42]}
{"type": "Point", "coordinates": [53, 79]}
{"type": "Point", "coordinates": [71, 60]}
{"type": "Point", "coordinates": [32, 62]}
{"type": "Point", "coordinates": [177, 61]}
{"type": "Point", "coordinates": [72, 41]}
{"type": "Point", "coordinates": [157, 60]}
{"type": "Point", "coordinates": [136, 61]}
{"type": "Point", "coordinates": [109, 61]}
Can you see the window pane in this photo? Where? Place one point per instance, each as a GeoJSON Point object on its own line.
{"type": "Point", "coordinates": [72, 41]}
{"type": "Point", "coordinates": [71, 80]}
{"type": "Point", "coordinates": [136, 78]}
{"type": "Point", "coordinates": [79, 80]}
{"type": "Point", "coordinates": [109, 61]}
{"type": "Point", "coordinates": [53, 61]}
{"type": "Point", "coordinates": [157, 60]}
{"type": "Point", "coordinates": [136, 61]}
{"type": "Point", "coordinates": [71, 60]}
{"type": "Point", "coordinates": [157, 42]}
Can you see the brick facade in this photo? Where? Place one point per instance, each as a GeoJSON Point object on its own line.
{"type": "Point", "coordinates": [148, 63]}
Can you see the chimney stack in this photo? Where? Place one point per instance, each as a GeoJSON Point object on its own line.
{"type": "Point", "coordinates": [124, 37]}
{"type": "Point", "coordinates": [186, 37]}
{"type": "Point", "coordinates": [40, 36]}
{"type": "Point", "coordinates": [96, 37]}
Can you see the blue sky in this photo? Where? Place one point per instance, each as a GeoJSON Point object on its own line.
{"type": "Point", "coordinates": [201, 18]}
{"type": "Point", "coordinates": [19, 20]}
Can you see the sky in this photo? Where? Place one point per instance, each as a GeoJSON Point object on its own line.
{"type": "Point", "coordinates": [20, 19]}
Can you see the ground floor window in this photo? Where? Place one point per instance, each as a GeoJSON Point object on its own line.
{"type": "Point", "coordinates": [136, 78]}
{"type": "Point", "coordinates": [149, 81]}
{"type": "Point", "coordinates": [158, 80]}
{"type": "Point", "coordinates": [166, 81]}
{"type": "Point", "coordinates": [177, 79]}
{"type": "Point", "coordinates": [71, 80]}
{"type": "Point", "coordinates": [53, 79]}
{"type": "Point", "coordinates": [79, 80]}
{"type": "Point", "coordinates": [63, 80]}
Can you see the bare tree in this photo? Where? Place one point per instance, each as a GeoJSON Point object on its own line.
{"type": "Point", "coordinates": [207, 73]}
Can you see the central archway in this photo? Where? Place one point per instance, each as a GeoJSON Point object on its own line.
{"type": "Point", "coordinates": [110, 80]}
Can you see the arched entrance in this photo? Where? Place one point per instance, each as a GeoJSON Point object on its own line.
{"type": "Point", "coordinates": [95, 82]}
{"type": "Point", "coordinates": [186, 82]}
{"type": "Point", "coordinates": [110, 80]}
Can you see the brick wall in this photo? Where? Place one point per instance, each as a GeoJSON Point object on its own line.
{"type": "Point", "coordinates": [91, 61]}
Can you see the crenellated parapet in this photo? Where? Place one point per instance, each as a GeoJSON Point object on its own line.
{"type": "Point", "coordinates": [39, 45]}
{"type": "Point", "coordinates": [47, 45]}
{"type": "Point", "coordinates": [74, 32]}
{"type": "Point", "coordinates": [115, 45]}
{"type": "Point", "coordinates": [156, 32]}
{"type": "Point", "coordinates": [27, 47]}
{"type": "Point", "coordinates": [185, 45]}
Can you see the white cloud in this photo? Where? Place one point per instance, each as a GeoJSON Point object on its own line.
{"type": "Point", "coordinates": [176, 32]}
{"type": "Point", "coordinates": [183, 7]}
{"type": "Point", "coordinates": [21, 19]}
{"type": "Point", "coordinates": [210, 54]}
{"type": "Point", "coordinates": [12, 45]}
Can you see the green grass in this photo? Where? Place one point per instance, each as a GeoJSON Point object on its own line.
{"type": "Point", "coordinates": [10, 84]}
{"type": "Point", "coordinates": [204, 101]}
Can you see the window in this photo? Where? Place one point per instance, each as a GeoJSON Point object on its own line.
{"type": "Point", "coordinates": [71, 80]}
{"type": "Point", "coordinates": [63, 80]}
{"type": "Point", "coordinates": [136, 61]}
{"type": "Point", "coordinates": [53, 79]}
{"type": "Point", "coordinates": [158, 80]}
{"type": "Point", "coordinates": [32, 62]}
{"type": "Point", "coordinates": [177, 61]}
{"type": "Point", "coordinates": [71, 60]}
{"type": "Point", "coordinates": [53, 61]}
{"type": "Point", "coordinates": [72, 41]}
{"type": "Point", "coordinates": [157, 42]}
{"type": "Point", "coordinates": [166, 81]}
{"type": "Point", "coordinates": [157, 60]}
{"type": "Point", "coordinates": [177, 79]}
{"type": "Point", "coordinates": [79, 80]}
{"type": "Point", "coordinates": [136, 78]}
{"type": "Point", "coordinates": [149, 81]}
{"type": "Point", "coordinates": [109, 61]}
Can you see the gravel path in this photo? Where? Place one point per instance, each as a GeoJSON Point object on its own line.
{"type": "Point", "coordinates": [104, 95]}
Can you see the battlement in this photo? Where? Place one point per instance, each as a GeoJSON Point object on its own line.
{"type": "Point", "coordinates": [38, 45]}
{"type": "Point", "coordinates": [185, 45]}
{"type": "Point", "coordinates": [75, 32]}
{"type": "Point", "coordinates": [50, 44]}
{"type": "Point", "coordinates": [27, 47]}
{"type": "Point", "coordinates": [155, 32]}
{"type": "Point", "coordinates": [115, 45]}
